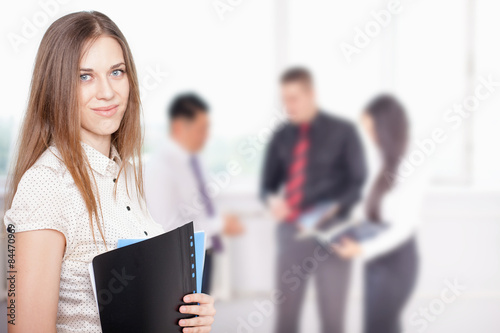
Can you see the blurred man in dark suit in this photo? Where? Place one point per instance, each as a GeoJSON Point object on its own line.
{"type": "Point", "coordinates": [315, 158]}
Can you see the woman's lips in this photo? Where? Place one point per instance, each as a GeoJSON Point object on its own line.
{"type": "Point", "coordinates": [106, 111]}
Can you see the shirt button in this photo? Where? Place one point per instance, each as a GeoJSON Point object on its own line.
{"type": "Point", "coordinates": [128, 207]}
{"type": "Point", "coordinates": [114, 180]}
{"type": "Point", "coordinates": [145, 232]}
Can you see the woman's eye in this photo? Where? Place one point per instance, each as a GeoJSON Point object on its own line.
{"type": "Point", "coordinates": [85, 77]}
{"type": "Point", "coordinates": [118, 72]}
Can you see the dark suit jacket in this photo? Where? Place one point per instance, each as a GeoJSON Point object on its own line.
{"type": "Point", "coordinates": [336, 167]}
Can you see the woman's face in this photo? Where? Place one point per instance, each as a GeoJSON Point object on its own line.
{"type": "Point", "coordinates": [104, 89]}
{"type": "Point", "coordinates": [369, 126]}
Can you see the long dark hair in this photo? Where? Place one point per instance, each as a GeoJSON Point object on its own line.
{"type": "Point", "coordinates": [391, 130]}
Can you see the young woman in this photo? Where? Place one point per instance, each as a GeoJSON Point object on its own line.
{"type": "Point", "coordinates": [391, 257]}
{"type": "Point", "coordinates": [76, 185]}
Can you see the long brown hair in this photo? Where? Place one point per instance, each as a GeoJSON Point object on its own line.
{"type": "Point", "coordinates": [53, 117]}
{"type": "Point", "coordinates": [391, 129]}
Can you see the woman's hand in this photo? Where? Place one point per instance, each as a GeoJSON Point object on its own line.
{"type": "Point", "coordinates": [205, 312]}
{"type": "Point", "coordinates": [347, 248]}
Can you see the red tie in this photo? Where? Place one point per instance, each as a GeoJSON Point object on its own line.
{"type": "Point", "coordinates": [297, 175]}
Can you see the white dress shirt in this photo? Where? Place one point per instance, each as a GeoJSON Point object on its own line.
{"type": "Point", "coordinates": [400, 209]}
{"type": "Point", "coordinates": [47, 198]}
{"type": "Point", "coordinates": [172, 193]}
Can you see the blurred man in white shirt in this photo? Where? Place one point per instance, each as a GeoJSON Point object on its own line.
{"type": "Point", "coordinates": [175, 179]}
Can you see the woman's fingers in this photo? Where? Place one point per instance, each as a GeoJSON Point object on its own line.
{"type": "Point", "coordinates": [197, 321]}
{"type": "Point", "coordinates": [341, 250]}
{"type": "Point", "coordinates": [347, 248]}
{"type": "Point", "coordinates": [203, 329]}
{"type": "Point", "coordinates": [199, 298]}
{"type": "Point", "coordinates": [205, 312]}
{"type": "Point", "coordinates": [201, 310]}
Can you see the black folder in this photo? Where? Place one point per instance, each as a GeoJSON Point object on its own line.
{"type": "Point", "coordinates": [140, 286]}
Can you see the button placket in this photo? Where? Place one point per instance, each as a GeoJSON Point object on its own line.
{"type": "Point", "coordinates": [140, 223]}
{"type": "Point", "coordinates": [123, 203]}
{"type": "Point", "coordinates": [114, 167]}
{"type": "Point", "coordinates": [122, 198]}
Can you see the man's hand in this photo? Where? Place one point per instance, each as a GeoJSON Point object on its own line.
{"type": "Point", "coordinates": [328, 215]}
{"type": "Point", "coordinates": [279, 208]}
{"type": "Point", "coordinates": [205, 311]}
{"type": "Point", "coordinates": [233, 225]}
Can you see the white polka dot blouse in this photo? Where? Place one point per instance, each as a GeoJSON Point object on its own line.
{"type": "Point", "coordinates": [47, 198]}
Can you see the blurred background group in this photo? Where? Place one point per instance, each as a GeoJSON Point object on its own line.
{"type": "Point", "coordinates": [400, 101]}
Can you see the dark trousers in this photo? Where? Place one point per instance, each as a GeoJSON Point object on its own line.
{"type": "Point", "coordinates": [389, 281]}
{"type": "Point", "coordinates": [207, 272]}
{"type": "Point", "coordinates": [298, 260]}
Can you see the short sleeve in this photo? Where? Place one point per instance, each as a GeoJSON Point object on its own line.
{"type": "Point", "coordinates": [38, 202]}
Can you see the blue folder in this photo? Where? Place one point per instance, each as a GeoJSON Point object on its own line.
{"type": "Point", "coordinates": [199, 246]}
{"type": "Point", "coordinates": [312, 217]}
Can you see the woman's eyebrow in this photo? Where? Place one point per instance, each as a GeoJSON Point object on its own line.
{"type": "Point", "coordinates": [117, 65]}
{"type": "Point", "coordinates": [112, 67]}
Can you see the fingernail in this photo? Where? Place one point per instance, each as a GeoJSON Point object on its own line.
{"type": "Point", "coordinates": [182, 322]}
{"type": "Point", "coordinates": [182, 309]}
{"type": "Point", "coordinates": [187, 298]}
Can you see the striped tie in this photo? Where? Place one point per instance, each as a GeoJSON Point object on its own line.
{"type": "Point", "coordinates": [209, 207]}
{"type": "Point", "coordinates": [297, 175]}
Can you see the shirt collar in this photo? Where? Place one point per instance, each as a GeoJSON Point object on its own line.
{"type": "Point", "coordinates": [100, 162]}
{"type": "Point", "coordinates": [311, 124]}
{"type": "Point", "coordinates": [174, 147]}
